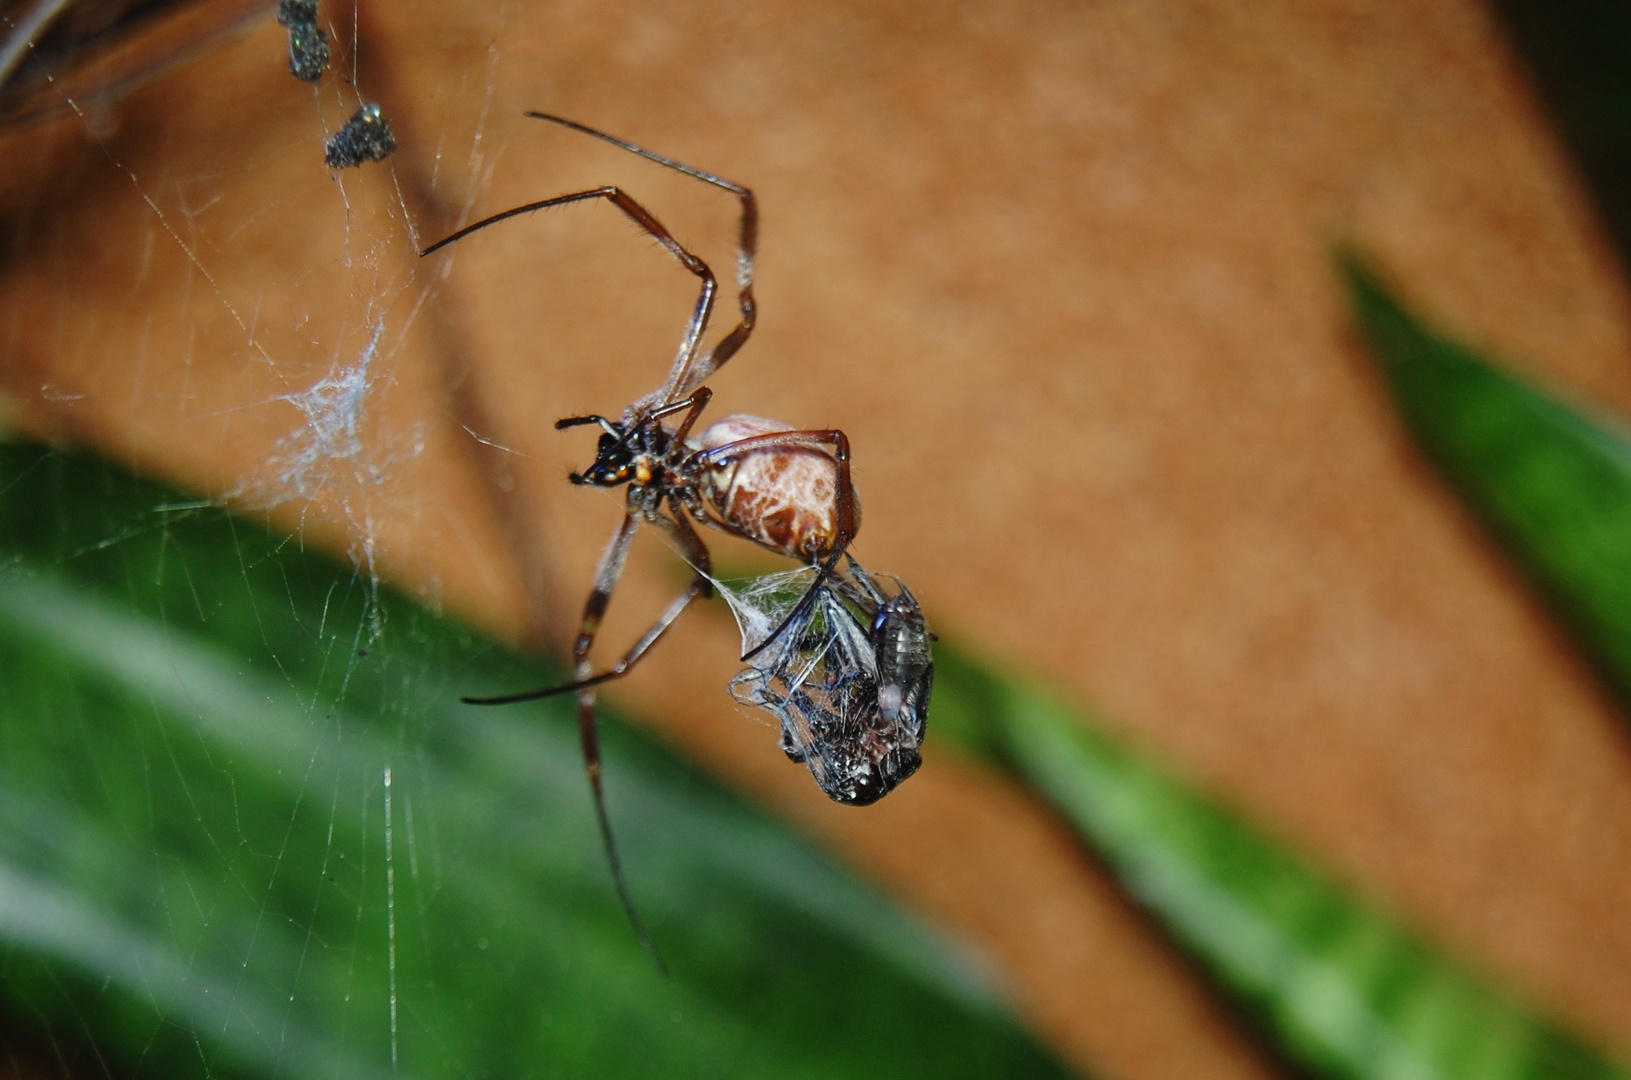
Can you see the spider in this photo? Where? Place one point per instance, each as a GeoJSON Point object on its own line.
{"type": "Point", "coordinates": [849, 680]}
{"type": "Point", "coordinates": [787, 490]}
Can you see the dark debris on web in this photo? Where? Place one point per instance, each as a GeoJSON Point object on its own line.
{"type": "Point", "coordinates": [308, 42]}
{"type": "Point", "coordinates": [365, 137]}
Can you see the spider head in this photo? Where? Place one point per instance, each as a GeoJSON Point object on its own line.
{"type": "Point", "coordinates": [614, 463]}
{"type": "Point", "coordinates": [616, 460]}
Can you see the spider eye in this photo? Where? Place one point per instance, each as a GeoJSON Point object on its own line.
{"type": "Point", "coordinates": [607, 441]}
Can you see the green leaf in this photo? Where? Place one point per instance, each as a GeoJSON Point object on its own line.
{"type": "Point", "coordinates": [1552, 481]}
{"type": "Point", "coordinates": [1336, 984]}
{"type": "Point", "coordinates": [246, 829]}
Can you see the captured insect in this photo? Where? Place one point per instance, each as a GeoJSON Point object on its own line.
{"type": "Point", "coordinates": [787, 490]}
{"type": "Point", "coordinates": [849, 679]}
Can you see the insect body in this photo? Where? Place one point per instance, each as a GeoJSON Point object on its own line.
{"type": "Point", "coordinates": [788, 490]}
{"type": "Point", "coordinates": [900, 637]}
{"type": "Point", "coordinates": [849, 679]}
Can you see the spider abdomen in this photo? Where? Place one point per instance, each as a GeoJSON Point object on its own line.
{"type": "Point", "coordinates": [783, 497]}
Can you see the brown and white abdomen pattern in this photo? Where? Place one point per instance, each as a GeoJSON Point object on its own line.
{"type": "Point", "coordinates": [784, 497]}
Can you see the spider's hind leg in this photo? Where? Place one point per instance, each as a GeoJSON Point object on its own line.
{"type": "Point", "coordinates": [594, 608]}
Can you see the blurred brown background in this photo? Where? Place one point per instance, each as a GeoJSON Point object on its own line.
{"type": "Point", "coordinates": [1062, 273]}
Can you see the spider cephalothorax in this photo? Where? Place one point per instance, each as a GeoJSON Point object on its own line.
{"type": "Point", "coordinates": [637, 451]}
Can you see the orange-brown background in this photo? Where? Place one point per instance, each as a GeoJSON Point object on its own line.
{"type": "Point", "coordinates": [1061, 272]}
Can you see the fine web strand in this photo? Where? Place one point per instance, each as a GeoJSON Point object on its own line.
{"type": "Point", "coordinates": [760, 604]}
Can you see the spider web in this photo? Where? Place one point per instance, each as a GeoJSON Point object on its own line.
{"type": "Point", "coordinates": [326, 367]}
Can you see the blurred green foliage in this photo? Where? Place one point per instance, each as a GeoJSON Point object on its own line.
{"type": "Point", "coordinates": [1551, 480]}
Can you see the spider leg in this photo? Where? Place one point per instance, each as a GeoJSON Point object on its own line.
{"type": "Point", "coordinates": [874, 595]}
{"type": "Point", "coordinates": [642, 217]}
{"type": "Point", "coordinates": [618, 670]}
{"type": "Point", "coordinates": [579, 421]}
{"type": "Point", "coordinates": [692, 406]}
{"type": "Point", "coordinates": [691, 547]}
{"type": "Point", "coordinates": [685, 376]}
{"type": "Point", "coordinates": [747, 243]}
{"type": "Point", "coordinates": [845, 499]}
{"type": "Point", "coordinates": [594, 608]}
{"type": "Point", "coordinates": [799, 609]}
{"type": "Point", "coordinates": [610, 569]}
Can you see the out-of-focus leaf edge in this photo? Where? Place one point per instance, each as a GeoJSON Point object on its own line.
{"type": "Point", "coordinates": [1551, 480]}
